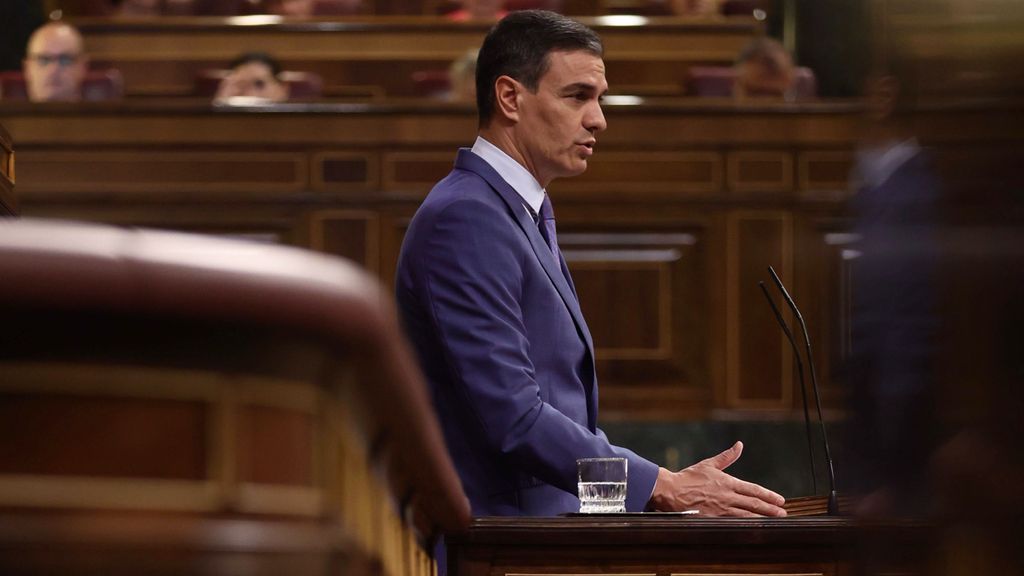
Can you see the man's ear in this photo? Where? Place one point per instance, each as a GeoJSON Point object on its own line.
{"type": "Point", "coordinates": [506, 97]}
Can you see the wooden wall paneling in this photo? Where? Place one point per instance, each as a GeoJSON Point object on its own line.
{"type": "Point", "coordinates": [824, 170]}
{"type": "Point", "coordinates": [759, 370]}
{"type": "Point", "coordinates": [274, 223]}
{"type": "Point", "coordinates": [669, 174]}
{"type": "Point", "coordinates": [144, 170]}
{"type": "Point", "coordinates": [641, 296]}
{"type": "Point", "coordinates": [345, 171]}
{"type": "Point", "coordinates": [760, 171]}
{"type": "Point", "coordinates": [716, 279]}
{"type": "Point", "coordinates": [827, 277]}
{"type": "Point", "coordinates": [418, 170]}
{"type": "Point", "coordinates": [394, 224]}
{"type": "Point", "coordinates": [366, 169]}
{"type": "Point", "coordinates": [352, 234]}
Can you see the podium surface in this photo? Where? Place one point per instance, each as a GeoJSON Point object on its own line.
{"type": "Point", "coordinates": [663, 545]}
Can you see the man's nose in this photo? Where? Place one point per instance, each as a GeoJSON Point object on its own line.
{"type": "Point", "coordinates": [594, 120]}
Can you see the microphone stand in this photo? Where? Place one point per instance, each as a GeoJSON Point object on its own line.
{"type": "Point", "coordinates": [803, 384]}
{"type": "Point", "coordinates": [833, 500]}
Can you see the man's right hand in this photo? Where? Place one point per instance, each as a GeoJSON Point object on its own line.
{"type": "Point", "coordinates": [707, 488]}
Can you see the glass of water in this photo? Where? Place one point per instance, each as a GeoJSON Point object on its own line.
{"type": "Point", "coordinates": [602, 485]}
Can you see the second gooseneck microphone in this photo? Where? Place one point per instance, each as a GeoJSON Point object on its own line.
{"type": "Point", "coordinates": [833, 501]}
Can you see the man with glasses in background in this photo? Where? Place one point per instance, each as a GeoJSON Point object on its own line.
{"type": "Point", "coordinates": [55, 64]}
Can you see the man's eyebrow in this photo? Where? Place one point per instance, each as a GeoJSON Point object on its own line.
{"type": "Point", "coordinates": [577, 86]}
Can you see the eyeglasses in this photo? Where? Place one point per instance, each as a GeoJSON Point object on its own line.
{"type": "Point", "coordinates": [62, 60]}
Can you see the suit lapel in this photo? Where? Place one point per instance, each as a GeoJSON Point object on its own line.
{"type": "Point", "coordinates": [466, 160]}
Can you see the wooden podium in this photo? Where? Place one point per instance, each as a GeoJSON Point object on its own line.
{"type": "Point", "coordinates": [669, 545]}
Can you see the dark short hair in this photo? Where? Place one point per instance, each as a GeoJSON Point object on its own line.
{"type": "Point", "coordinates": [518, 47]}
{"type": "Point", "coordinates": [257, 57]}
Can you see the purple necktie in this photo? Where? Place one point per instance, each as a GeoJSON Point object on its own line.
{"type": "Point", "coordinates": [547, 225]}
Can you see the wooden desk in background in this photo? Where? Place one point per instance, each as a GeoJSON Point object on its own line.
{"type": "Point", "coordinates": [376, 56]}
{"type": "Point", "coordinates": [683, 207]}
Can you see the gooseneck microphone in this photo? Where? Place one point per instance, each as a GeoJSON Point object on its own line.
{"type": "Point", "coordinates": [833, 500]}
{"type": "Point", "coordinates": [803, 384]}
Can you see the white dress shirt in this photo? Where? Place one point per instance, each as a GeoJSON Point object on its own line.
{"type": "Point", "coordinates": [514, 173]}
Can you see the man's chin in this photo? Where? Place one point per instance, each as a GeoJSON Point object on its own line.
{"type": "Point", "coordinates": [578, 167]}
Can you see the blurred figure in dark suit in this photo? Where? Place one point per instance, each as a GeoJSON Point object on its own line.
{"type": "Point", "coordinates": [894, 316]}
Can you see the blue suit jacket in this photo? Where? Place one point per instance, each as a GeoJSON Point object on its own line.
{"type": "Point", "coordinates": [501, 338]}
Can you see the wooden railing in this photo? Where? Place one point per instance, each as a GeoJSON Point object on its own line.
{"type": "Point", "coordinates": [376, 56]}
{"type": "Point", "coordinates": [182, 404]}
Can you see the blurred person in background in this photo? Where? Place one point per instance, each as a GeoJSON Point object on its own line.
{"type": "Point", "coordinates": [254, 76]}
{"type": "Point", "coordinates": [764, 68]}
{"type": "Point", "coordinates": [936, 372]}
{"type": "Point", "coordinates": [462, 75]}
{"type": "Point", "coordinates": [291, 8]}
{"type": "Point", "coordinates": [894, 313]}
{"type": "Point", "coordinates": [55, 64]}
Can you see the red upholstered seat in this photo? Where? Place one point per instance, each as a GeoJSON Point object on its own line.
{"type": "Point", "coordinates": [712, 81]}
{"type": "Point", "coordinates": [98, 86]}
{"type": "Point", "coordinates": [431, 83]}
{"type": "Point", "coordinates": [717, 81]}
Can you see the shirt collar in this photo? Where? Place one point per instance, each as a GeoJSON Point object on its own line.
{"type": "Point", "coordinates": [876, 164]}
{"type": "Point", "coordinates": [517, 176]}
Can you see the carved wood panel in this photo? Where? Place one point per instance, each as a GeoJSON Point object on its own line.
{"type": "Point", "coordinates": [758, 360]}
{"type": "Point", "coordinates": [352, 234]}
{"type": "Point", "coordinates": [641, 293]}
{"type": "Point", "coordinates": [162, 171]}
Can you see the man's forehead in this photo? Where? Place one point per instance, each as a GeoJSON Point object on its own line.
{"type": "Point", "coordinates": [57, 38]}
{"type": "Point", "coordinates": [575, 66]}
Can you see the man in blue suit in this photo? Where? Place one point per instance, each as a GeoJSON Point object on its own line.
{"type": "Point", "coordinates": [491, 309]}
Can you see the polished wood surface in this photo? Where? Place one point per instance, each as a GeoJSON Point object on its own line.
{"type": "Point", "coordinates": [8, 202]}
{"type": "Point", "coordinates": [204, 405]}
{"type": "Point", "coordinates": [376, 57]}
{"type": "Point", "coordinates": [663, 545]}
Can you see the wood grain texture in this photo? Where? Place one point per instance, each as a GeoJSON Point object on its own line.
{"type": "Point", "coordinates": [648, 230]}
